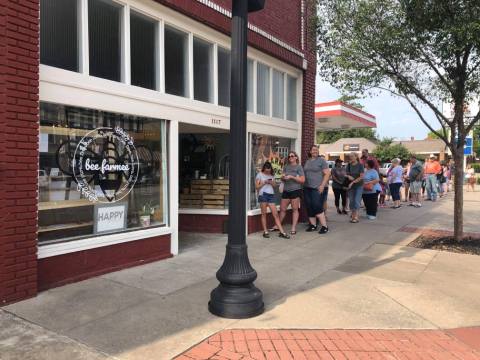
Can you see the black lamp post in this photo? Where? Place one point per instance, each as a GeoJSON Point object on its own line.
{"type": "Point", "coordinates": [236, 297]}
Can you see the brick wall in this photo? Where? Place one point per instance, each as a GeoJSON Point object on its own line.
{"type": "Point", "coordinates": [309, 75]}
{"type": "Point", "coordinates": [19, 57]}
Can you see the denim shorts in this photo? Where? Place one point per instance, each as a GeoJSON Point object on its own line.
{"type": "Point", "coordinates": [266, 198]}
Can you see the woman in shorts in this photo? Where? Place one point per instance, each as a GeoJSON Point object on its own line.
{"type": "Point", "coordinates": [292, 177]}
{"type": "Point", "coordinates": [264, 183]}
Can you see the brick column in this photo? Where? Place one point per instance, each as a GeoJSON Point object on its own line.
{"type": "Point", "coordinates": [19, 121]}
{"type": "Point", "coordinates": [309, 76]}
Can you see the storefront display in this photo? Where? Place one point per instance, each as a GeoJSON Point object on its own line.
{"type": "Point", "coordinates": [204, 171]}
{"type": "Point", "coordinates": [100, 173]}
{"type": "Point", "coordinates": [267, 148]}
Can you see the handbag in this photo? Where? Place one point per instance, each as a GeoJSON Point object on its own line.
{"type": "Point", "coordinates": [368, 187]}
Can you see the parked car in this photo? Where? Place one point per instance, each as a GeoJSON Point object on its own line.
{"type": "Point", "coordinates": [384, 169]}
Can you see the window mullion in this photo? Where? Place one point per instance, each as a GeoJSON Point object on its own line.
{"type": "Point", "coordinates": [270, 85]}
{"type": "Point", "coordinates": [215, 74]}
{"type": "Point", "coordinates": [161, 56]}
{"type": "Point", "coordinates": [285, 94]}
{"type": "Point", "coordinates": [126, 61]}
{"type": "Point", "coordinates": [83, 23]}
{"type": "Point", "coordinates": [255, 87]}
{"type": "Point", "coordinates": [190, 66]}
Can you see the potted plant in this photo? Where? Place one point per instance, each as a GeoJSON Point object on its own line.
{"type": "Point", "coordinates": [145, 214]}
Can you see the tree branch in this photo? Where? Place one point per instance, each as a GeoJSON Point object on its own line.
{"type": "Point", "coordinates": [441, 136]}
{"type": "Point", "coordinates": [435, 69]}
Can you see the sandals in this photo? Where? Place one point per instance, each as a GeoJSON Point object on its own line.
{"type": "Point", "coordinates": [283, 235]}
{"type": "Point", "coordinates": [293, 232]}
{"type": "Point", "coordinates": [354, 221]}
{"type": "Point", "coordinates": [273, 229]}
{"type": "Point", "coordinates": [266, 234]}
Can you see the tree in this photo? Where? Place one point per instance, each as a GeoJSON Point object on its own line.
{"type": "Point", "coordinates": [350, 100]}
{"type": "Point", "coordinates": [330, 136]}
{"type": "Point", "coordinates": [385, 151]}
{"type": "Point", "coordinates": [433, 135]}
{"type": "Point", "coordinates": [424, 51]}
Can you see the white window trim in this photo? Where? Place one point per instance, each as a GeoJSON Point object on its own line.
{"type": "Point", "coordinates": [186, 211]}
{"type": "Point", "coordinates": [49, 250]}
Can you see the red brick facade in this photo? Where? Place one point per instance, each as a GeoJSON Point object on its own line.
{"type": "Point", "coordinates": [63, 269]}
{"type": "Point", "coordinates": [21, 274]}
{"type": "Point", "coordinates": [19, 58]}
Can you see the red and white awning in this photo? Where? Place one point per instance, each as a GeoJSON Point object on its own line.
{"type": "Point", "coordinates": [336, 115]}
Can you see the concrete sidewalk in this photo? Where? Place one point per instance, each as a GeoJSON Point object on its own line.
{"type": "Point", "coordinates": [359, 276]}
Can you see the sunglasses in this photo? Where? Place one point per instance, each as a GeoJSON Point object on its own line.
{"type": "Point", "coordinates": [291, 155]}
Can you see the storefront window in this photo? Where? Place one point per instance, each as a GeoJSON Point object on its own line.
{"type": "Point", "coordinates": [263, 89]}
{"type": "Point", "coordinates": [291, 98]}
{"type": "Point", "coordinates": [176, 62]}
{"type": "Point", "coordinates": [142, 51]}
{"type": "Point", "coordinates": [278, 94]}
{"type": "Point", "coordinates": [204, 170]}
{"type": "Point", "coordinates": [223, 77]}
{"type": "Point", "coordinates": [59, 45]}
{"type": "Point", "coordinates": [100, 173]}
{"type": "Point", "coordinates": [267, 148]}
{"type": "Point", "coordinates": [202, 70]}
{"type": "Point", "coordinates": [105, 39]}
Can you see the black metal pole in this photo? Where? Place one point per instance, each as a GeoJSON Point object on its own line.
{"type": "Point", "coordinates": [236, 296]}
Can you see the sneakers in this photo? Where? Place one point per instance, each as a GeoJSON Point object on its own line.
{"type": "Point", "coordinates": [371, 217]}
{"type": "Point", "coordinates": [323, 230]}
{"type": "Point", "coordinates": [417, 205]}
{"type": "Point", "coordinates": [311, 228]}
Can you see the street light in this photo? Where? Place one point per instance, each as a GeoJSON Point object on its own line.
{"type": "Point", "coordinates": [236, 297]}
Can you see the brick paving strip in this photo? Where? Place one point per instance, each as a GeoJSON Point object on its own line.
{"type": "Point", "coordinates": [457, 344]}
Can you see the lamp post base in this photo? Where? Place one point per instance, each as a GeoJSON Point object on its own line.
{"type": "Point", "coordinates": [236, 301]}
{"type": "Point", "coordinates": [236, 297]}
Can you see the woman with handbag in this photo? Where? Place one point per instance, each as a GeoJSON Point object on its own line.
{"type": "Point", "coordinates": [371, 189]}
{"type": "Point", "coordinates": [355, 172]}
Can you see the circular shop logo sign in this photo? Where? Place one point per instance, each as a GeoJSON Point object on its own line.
{"type": "Point", "coordinates": [105, 165]}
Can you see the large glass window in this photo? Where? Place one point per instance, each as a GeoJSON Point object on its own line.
{"type": "Point", "coordinates": [100, 172]}
{"type": "Point", "coordinates": [143, 57]}
{"type": "Point", "coordinates": [202, 70]}
{"type": "Point", "coordinates": [204, 170]}
{"type": "Point", "coordinates": [291, 98]}
{"type": "Point", "coordinates": [59, 40]}
{"type": "Point", "coordinates": [263, 89]}
{"type": "Point", "coordinates": [176, 62]}
{"type": "Point", "coordinates": [267, 148]}
{"type": "Point", "coordinates": [105, 39]}
{"type": "Point", "coordinates": [223, 77]}
{"type": "Point", "coordinates": [250, 84]}
{"type": "Point", "coordinates": [278, 94]}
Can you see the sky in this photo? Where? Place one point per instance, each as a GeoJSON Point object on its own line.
{"type": "Point", "coordinates": [395, 117]}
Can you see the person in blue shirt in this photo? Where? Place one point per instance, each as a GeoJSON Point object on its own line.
{"type": "Point", "coordinates": [371, 189]}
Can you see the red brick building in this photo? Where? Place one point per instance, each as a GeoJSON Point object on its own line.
{"type": "Point", "coordinates": [114, 127]}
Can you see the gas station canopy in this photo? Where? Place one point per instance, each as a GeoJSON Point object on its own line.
{"type": "Point", "coordinates": [336, 115]}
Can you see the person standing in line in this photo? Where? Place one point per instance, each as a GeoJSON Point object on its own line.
{"type": "Point", "coordinates": [406, 182]}
{"type": "Point", "coordinates": [292, 177]}
{"type": "Point", "coordinates": [432, 168]}
{"type": "Point", "coordinates": [355, 173]}
{"type": "Point", "coordinates": [264, 183]}
{"type": "Point", "coordinates": [371, 189]}
{"type": "Point", "coordinates": [338, 185]}
{"type": "Point", "coordinates": [415, 176]}
{"type": "Point", "coordinates": [470, 176]}
{"type": "Point", "coordinates": [395, 181]}
{"type": "Point", "coordinates": [317, 175]}
{"type": "Point", "coordinates": [367, 156]}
